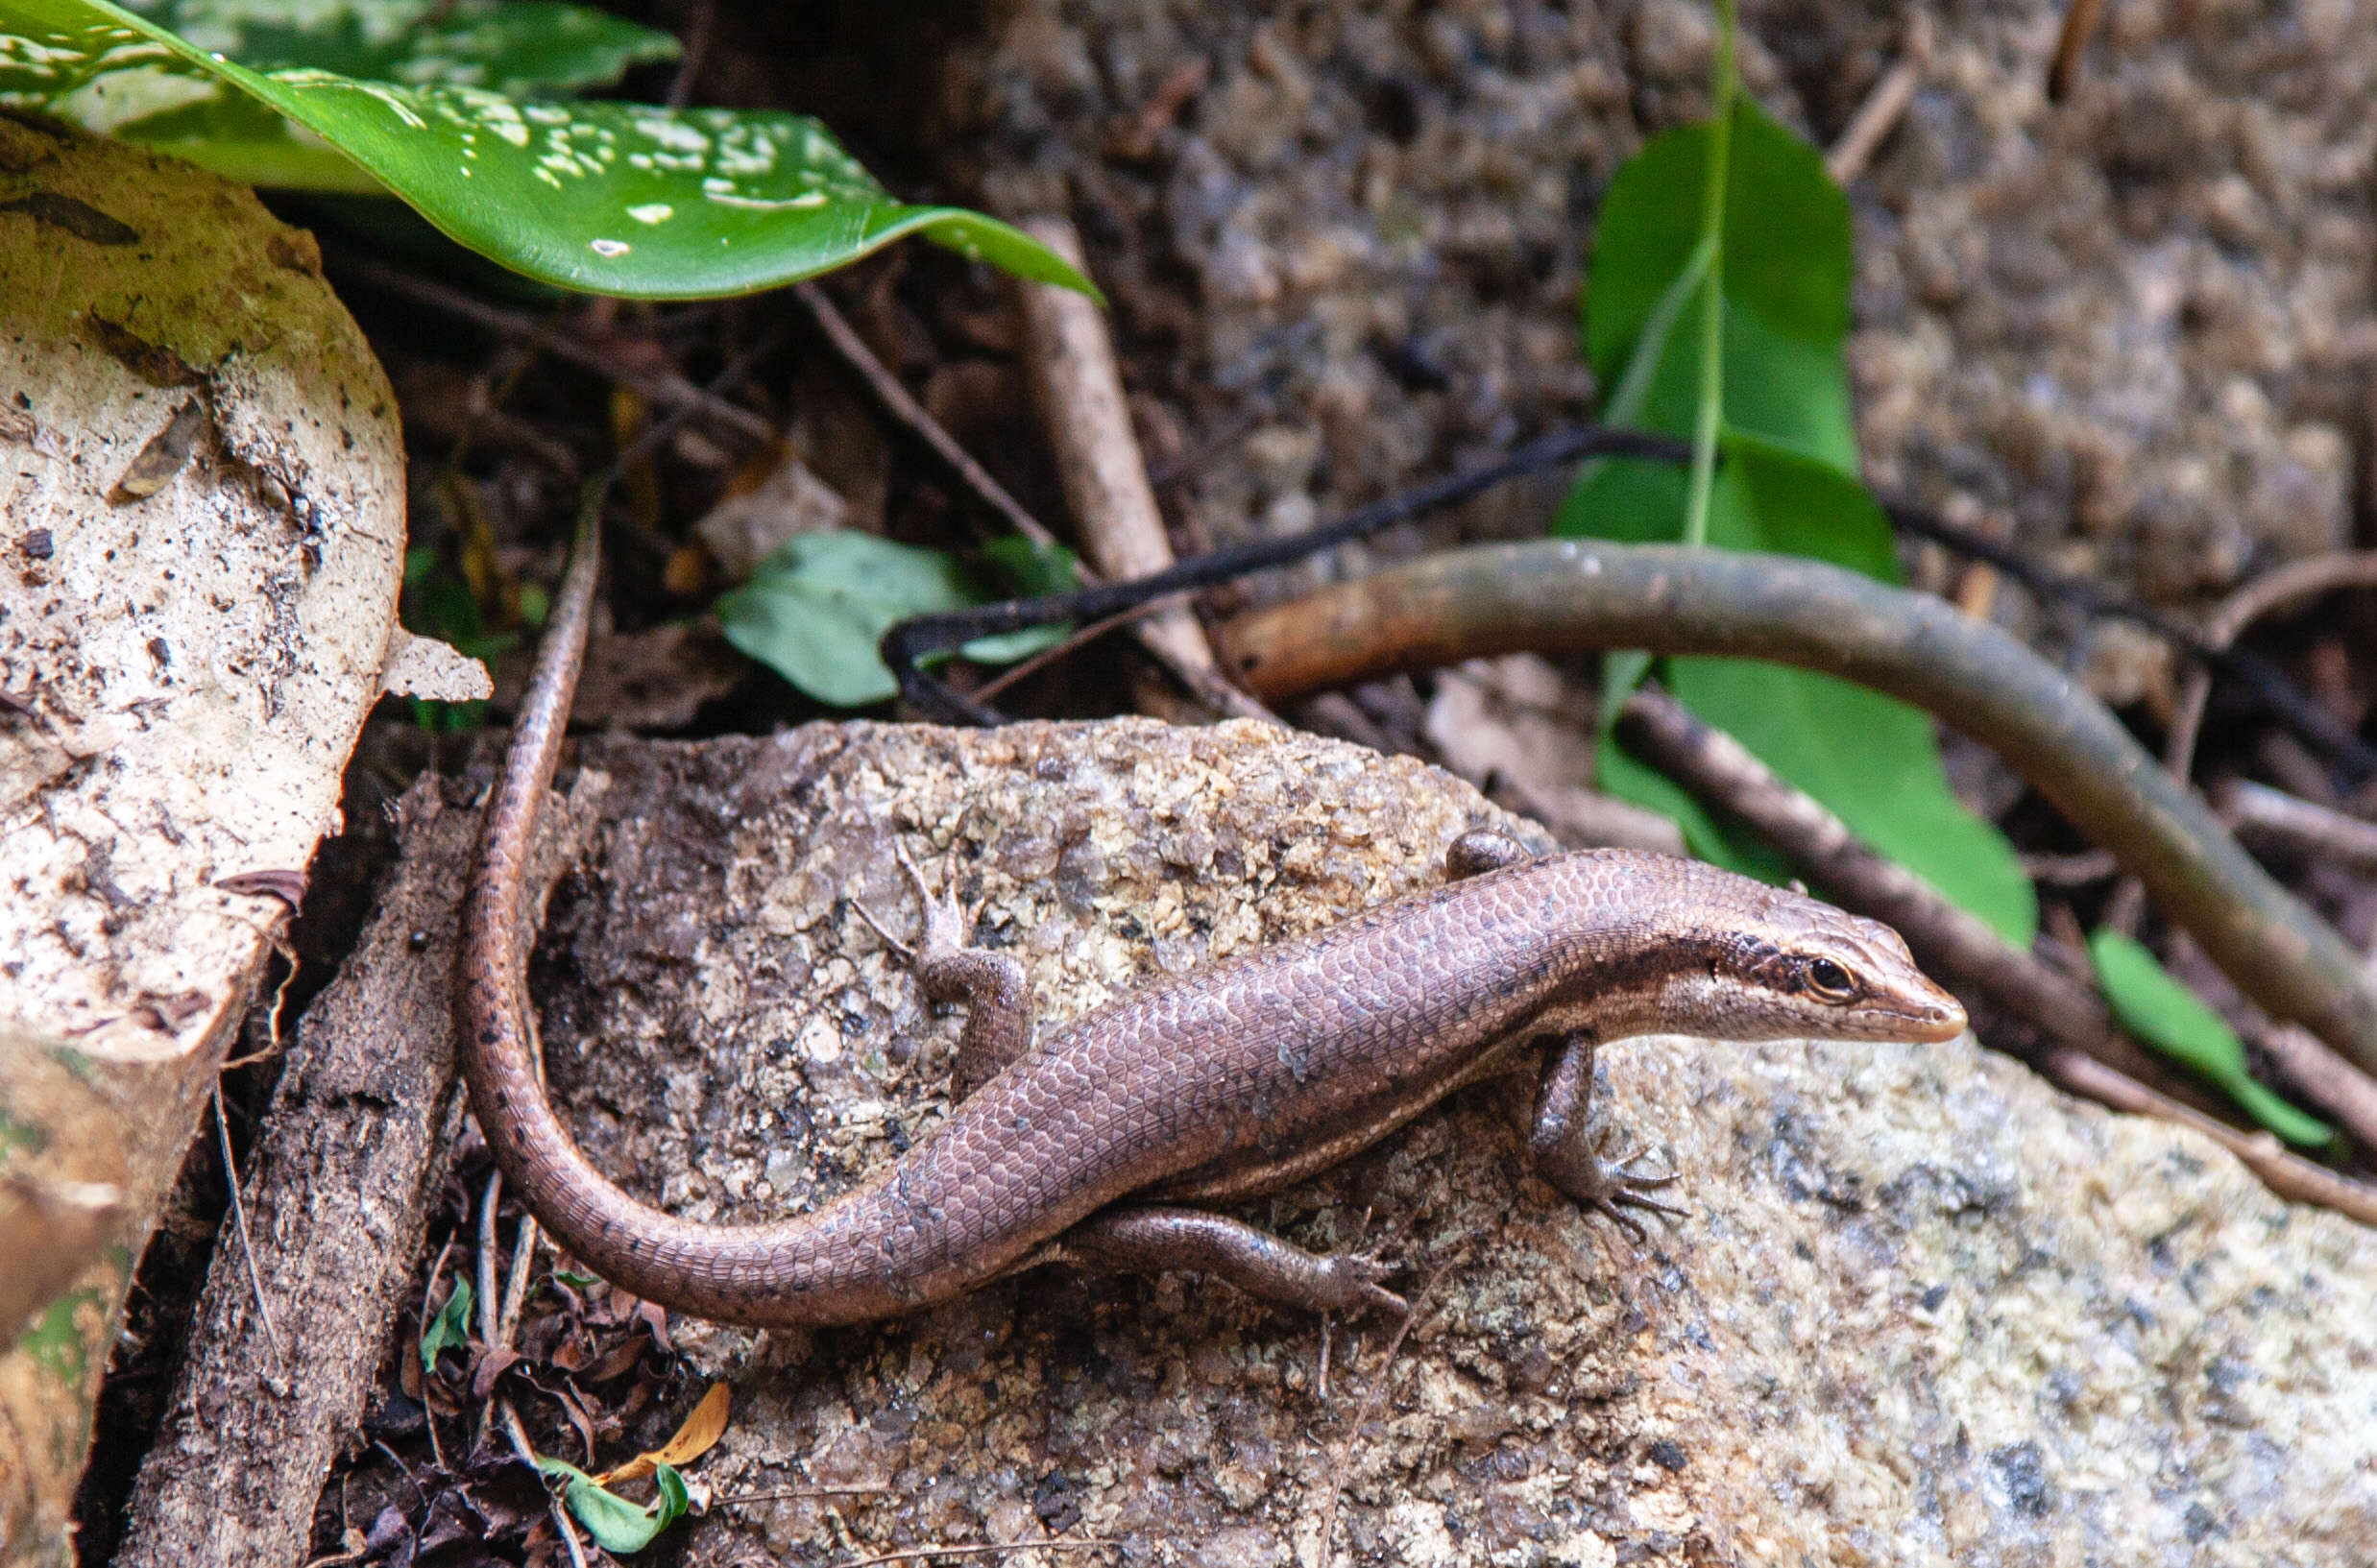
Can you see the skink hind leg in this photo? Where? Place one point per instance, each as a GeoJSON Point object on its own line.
{"type": "Point", "coordinates": [992, 986]}
{"type": "Point", "coordinates": [1152, 1240]}
{"type": "Point", "coordinates": [1568, 1157]}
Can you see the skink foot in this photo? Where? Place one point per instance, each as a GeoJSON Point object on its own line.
{"type": "Point", "coordinates": [992, 985]}
{"type": "Point", "coordinates": [1349, 1281]}
{"type": "Point", "coordinates": [1614, 1189]}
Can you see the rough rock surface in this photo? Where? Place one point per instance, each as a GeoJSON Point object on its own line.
{"type": "Point", "coordinates": [1923, 1310]}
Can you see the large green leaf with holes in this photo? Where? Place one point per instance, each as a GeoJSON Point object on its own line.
{"type": "Point", "coordinates": [608, 198]}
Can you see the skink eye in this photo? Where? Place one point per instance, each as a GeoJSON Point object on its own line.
{"type": "Point", "coordinates": [1830, 981]}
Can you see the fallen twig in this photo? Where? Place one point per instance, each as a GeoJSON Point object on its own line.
{"type": "Point", "coordinates": [1370, 1399]}
{"type": "Point", "coordinates": [2079, 26]}
{"type": "Point", "coordinates": [2288, 1176]}
{"type": "Point", "coordinates": [239, 1224]}
{"type": "Point", "coordinates": [1572, 595]}
{"type": "Point", "coordinates": [1076, 640]}
{"type": "Point", "coordinates": [562, 1524]}
{"type": "Point", "coordinates": [2256, 810]}
{"type": "Point", "coordinates": [1077, 384]}
{"type": "Point", "coordinates": [925, 1553]}
{"type": "Point", "coordinates": [799, 1494]}
{"type": "Point", "coordinates": [2087, 1042]}
{"type": "Point", "coordinates": [1883, 107]}
{"type": "Point", "coordinates": [2267, 594]}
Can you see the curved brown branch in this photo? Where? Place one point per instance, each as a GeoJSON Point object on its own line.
{"type": "Point", "coordinates": [1563, 595]}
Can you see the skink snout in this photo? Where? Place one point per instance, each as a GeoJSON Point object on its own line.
{"type": "Point", "coordinates": [1932, 1014]}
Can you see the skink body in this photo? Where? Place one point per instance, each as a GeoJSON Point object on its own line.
{"type": "Point", "coordinates": [1224, 1081]}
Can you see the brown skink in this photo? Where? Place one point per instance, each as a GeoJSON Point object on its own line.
{"type": "Point", "coordinates": [1093, 1141]}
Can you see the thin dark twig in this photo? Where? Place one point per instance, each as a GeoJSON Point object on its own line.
{"type": "Point", "coordinates": [1072, 643]}
{"type": "Point", "coordinates": [661, 386]}
{"type": "Point", "coordinates": [800, 1494]}
{"type": "Point", "coordinates": [2285, 588]}
{"type": "Point", "coordinates": [2271, 686]}
{"type": "Point", "coordinates": [1371, 1397]}
{"type": "Point", "coordinates": [698, 41]}
{"type": "Point", "coordinates": [913, 640]}
{"type": "Point", "coordinates": [562, 1522]}
{"type": "Point", "coordinates": [904, 407]}
{"type": "Point", "coordinates": [926, 1554]}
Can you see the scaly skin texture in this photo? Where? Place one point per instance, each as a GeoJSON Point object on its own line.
{"type": "Point", "coordinates": [1220, 1082]}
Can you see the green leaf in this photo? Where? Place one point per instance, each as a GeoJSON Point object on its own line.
{"type": "Point", "coordinates": [606, 198]}
{"type": "Point", "coordinates": [1033, 570]}
{"type": "Point", "coordinates": [450, 1329]}
{"type": "Point", "coordinates": [1788, 485]}
{"type": "Point", "coordinates": [2175, 1021]}
{"type": "Point", "coordinates": [817, 609]}
{"type": "Point", "coordinates": [1787, 265]}
{"type": "Point", "coordinates": [617, 1524]}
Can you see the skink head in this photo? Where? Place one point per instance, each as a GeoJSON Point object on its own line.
{"type": "Point", "coordinates": [1752, 962]}
{"type": "Point", "coordinates": [1821, 972]}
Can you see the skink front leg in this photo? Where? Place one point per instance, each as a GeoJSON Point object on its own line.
{"type": "Point", "coordinates": [992, 986]}
{"type": "Point", "coordinates": [1568, 1157]}
{"type": "Point", "coordinates": [1155, 1238]}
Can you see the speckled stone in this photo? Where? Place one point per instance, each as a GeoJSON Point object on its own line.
{"type": "Point", "coordinates": [1923, 1309]}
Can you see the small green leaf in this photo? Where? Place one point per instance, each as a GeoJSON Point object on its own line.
{"type": "Point", "coordinates": [617, 1524]}
{"type": "Point", "coordinates": [674, 1499]}
{"type": "Point", "coordinates": [450, 1329]}
{"type": "Point", "coordinates": [607, 197]}
{"type": "Point", "coordinates": [2175, 1021]}
{"type": "Point", "coordinates": [56, 1343]}
{"type": "Point", "coordinates": [817, 609]}
{"type": "Point", "coordinates": [1031, 569]}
